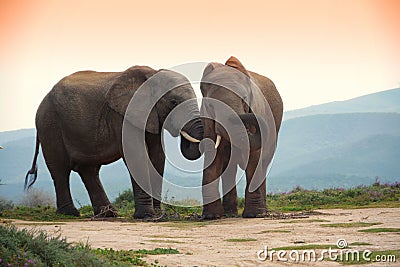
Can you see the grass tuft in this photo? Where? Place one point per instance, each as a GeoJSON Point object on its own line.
{"type": "Point", "coordinates": [304, 221]}
{"type": "Point", "coordinates": [351, 225]}
{"type": "Point", "coordinates": [240, 240]}
{"type": "Point", "coordinates": [380, 230]}
{"type": "Point", "coordinates": [309, 246]}
{"type": "Point", "coordinates": [360, 244]}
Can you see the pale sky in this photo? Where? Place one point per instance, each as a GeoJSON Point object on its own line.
{"type": "Point", "coordinates": [315, 51]}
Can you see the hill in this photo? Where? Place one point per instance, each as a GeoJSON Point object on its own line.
{"type": "Point", "coordinates": [385, 101]}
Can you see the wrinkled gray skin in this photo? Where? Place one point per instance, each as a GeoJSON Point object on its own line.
{"type": "Point", "coordinates": [232, 73]}
{"type": "Point", "coordinates": [79, 125]}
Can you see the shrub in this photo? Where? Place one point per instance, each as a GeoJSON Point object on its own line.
{"type": "Point", "coordinates": [5, 205]}
{"type": "Point", "coordinates": [123, 198]}
{"type": "Point", "coordinates": [37, 198]}
{"type": "Point", "coordinates": [37, 248]}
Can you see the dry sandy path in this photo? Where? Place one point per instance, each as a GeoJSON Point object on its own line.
{"type": "Point", "coordinates": [205, 243]}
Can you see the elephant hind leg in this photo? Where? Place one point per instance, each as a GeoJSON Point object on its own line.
{"type": "Point", "coordinates": [57, 162]}
{"type": "Point", "coordinates": [100, 202]}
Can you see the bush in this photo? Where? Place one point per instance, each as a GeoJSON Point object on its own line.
{"type": "Point", "coordinates": [5, 205]}
{"type": "Point", "coordinates": [37, 198]}
{"type": "Point", "coordinates": [37, 248]}
{"type": "Point", "coordinates": [125, 197]}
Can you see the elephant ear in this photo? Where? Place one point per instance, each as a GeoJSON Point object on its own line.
{"type": "Point", "coordinates": [235, 63]}
{"type": "Point", "coordinates": [122, 90]}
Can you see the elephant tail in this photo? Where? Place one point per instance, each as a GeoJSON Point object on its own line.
{"type": "Point", "coordinates": [31, 175]}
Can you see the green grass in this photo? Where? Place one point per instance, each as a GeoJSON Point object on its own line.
{"type": "Point", "coordinates": [165, 241]}
{"type": "Point", "coordinates": [351, 225]}
{"type": "Point", "coordinates": [376, 195]}
{"type": "Point", "coordinates": [305, 221]}
{"type": "Point", "coordinates": [373, 258]}
{"type": "Point", "coordinates": [274, 231]}
{"type": "Point", "coordinates": [157, 251]}
{"type": "Point", "coordinates": [380, 230]}
{"type": "Point", "coordinates": [40, 213]}
{"type": "Point", "coordinates": [37, 248]}
{"type": "Point", "coordinates": [308, 246]}
{"type": "Point", "coordinates": [373, 196]}
{"type": "Point", "coordinates": [236, 240]}
{"type": "Point", "coordinates": [360, 244]}
{"type": "Point", "coordinates": [184, 224]}
{"type": "Point", "coordinates": [167, 236]}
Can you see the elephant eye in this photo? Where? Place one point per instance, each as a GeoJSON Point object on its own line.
{"type": "Point", "coordinates": [174, 102]}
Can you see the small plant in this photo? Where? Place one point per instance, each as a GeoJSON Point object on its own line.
{"type": "Point", "coordinates": [5, 205]}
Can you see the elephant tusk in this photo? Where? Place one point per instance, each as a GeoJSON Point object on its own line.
{"type": "Point", "coordinates": [218, 141]}
{"type": "Point", "coordinates": [189, 138]}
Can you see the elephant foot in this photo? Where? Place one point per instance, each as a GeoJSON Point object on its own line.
{"type": "Point", "coordinates": [231, 213]}
{"type": "Point", "coordinates": [105, 211]}
{"type": "Point", "coordinates": [143, 212]}
{"type": "Point", "coordinates": [213, 211]}
{"type": "Point", "coordinates": [157, 206]}
{"type": "Point", "coordinates": [230, 209]}
{"type": "Point", "coordinates": [68, 210]}
{"type": "Point", "coordinates": [254, 212]}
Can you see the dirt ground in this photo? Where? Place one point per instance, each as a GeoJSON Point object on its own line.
{"type": "Point", "coordinates": [209, 244]}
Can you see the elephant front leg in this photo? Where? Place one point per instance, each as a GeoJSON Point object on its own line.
{"type": "Point", "coordinates": [229, 199]}
{"type": "Point", "coordinates": [255, 204]}
{"type": "Point", "coordinates": [212, 207]}
{"type": "Point", "coordinates": [143, 202]}
{"type": "Point", "coordinates": [156, 171]}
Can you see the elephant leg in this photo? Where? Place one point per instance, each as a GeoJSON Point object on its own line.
{"type": "Point", "coordinates": [157, 157]}
{"type": "Point", "coordinates": [60, 175]}
{"type": "Point", "coordinates": [229, 199]}
{"type": "Point", "coordinates": [137, 162]}
{"type": "Point", "coordinates": [143, 202]}
{"type": "Point", "coordinates": [57, 161]}
{"type": "Point", "coordinates": [101, 205]}
{"type": "Point", "coordinates": [212, 209]}
{"type": "Point", "coordinates": [255, 204]}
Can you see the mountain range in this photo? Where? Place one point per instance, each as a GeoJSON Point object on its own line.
{"type": "Point", "coordinates": [337, 144]}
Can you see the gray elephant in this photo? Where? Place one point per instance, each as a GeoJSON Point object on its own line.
{"type": "Point", "coordinates": [256, 102]}
{"type": "Point", "coordinates": [79, 125]}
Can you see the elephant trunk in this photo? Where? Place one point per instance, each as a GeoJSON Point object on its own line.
{"type": "Point", "coordinates": [189, 147]}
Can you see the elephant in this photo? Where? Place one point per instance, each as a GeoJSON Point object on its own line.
{"type": "Point", "coordinates": [79, 125]}
{"type": "Point", "coordinates": [245, 97]}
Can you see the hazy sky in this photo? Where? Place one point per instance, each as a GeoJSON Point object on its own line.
{"type": "Point", "coordinates": [315, 51]}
